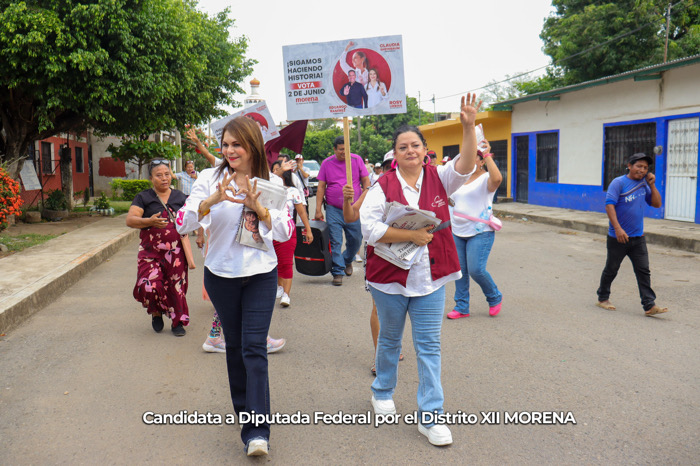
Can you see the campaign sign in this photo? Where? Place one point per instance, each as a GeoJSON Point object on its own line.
{"type": "Point", "coordinates": [344, 78]}
{"type": "Point", "coordinates": [258, 113]}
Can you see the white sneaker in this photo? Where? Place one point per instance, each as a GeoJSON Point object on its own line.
{"type": "Point", "coordinates": [358, 258]}
{"type": "Point", "coordinates": [214, 345]}
{"type": "Point", "coordinates": [280, 291]}
{"type": "Point", "coordinates": [257, 447]}
{"type": "Point", "coordinates": [285, 300]}
{"type": "Point", "coordinates": [383, 406]}
{"type": "Point", "coordinates": [438, 435]}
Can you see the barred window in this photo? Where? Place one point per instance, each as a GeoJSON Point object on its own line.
{"type": "Point", "coordinates": [621, 142]}
{"type": "Point", "coordinates": [547, 157]}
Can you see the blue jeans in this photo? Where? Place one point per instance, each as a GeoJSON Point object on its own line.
{"type": "Point", "coordinates": [426, 323]}
{"type": "Point", "coordinates": [473, 252]}
{"type": "Point", "coordinates": [245, 307]}
{"type": "Point", "coordinates": [353, 239]}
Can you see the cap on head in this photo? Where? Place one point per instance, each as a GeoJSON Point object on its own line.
{"type": "Point", "coordinates": [432, 154]}
{"type": "Point", "coordinates": [640, 156]}
{"type": "Point", "coordinates": [299, 156]}
{"type": "Point", "coordinates": [389, 156]}
{"type": "Point", "coordinates": [377, 165]}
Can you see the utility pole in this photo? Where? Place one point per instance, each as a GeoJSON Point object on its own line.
{"type": "Point", "coordinates": [418, 108]}
{"type": "Point", "coordinates": [668, 26]}
{"type": "Point", "coordinates": [434, 112]}
{"type": "Point", "coordinates": [359, 132]}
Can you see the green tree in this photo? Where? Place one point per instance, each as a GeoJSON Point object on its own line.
{"type": "Point", "coordinates": [385, 125]}
{"type": "Point", "coordinates": [123, 67]}
{"type": "Point", "coordinates": [141, 152]}
{"type": "Point", "coordinates": [579, 25]}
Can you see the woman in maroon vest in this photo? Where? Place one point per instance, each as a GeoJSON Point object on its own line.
{"type": "Point", "coordinates": [420, 290]}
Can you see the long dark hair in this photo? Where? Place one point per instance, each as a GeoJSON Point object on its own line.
{"type": "Point", "coordinates": [247, 133]}
{"type": "Point", "coordinates": [287, 178]}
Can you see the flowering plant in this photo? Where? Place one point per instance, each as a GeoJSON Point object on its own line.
{"type": "Point", "coordinates": [9, 197]}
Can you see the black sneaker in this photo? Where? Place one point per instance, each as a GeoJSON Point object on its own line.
{"type": "Point", "coordinates": [179, 330]}
{"type": "Point", "coordinates": [157, 323]}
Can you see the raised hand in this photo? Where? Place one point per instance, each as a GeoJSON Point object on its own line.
{"type": "Point", "coordinates": [192, 135]}
{"type": "Point", "coordinates": [468, 109]}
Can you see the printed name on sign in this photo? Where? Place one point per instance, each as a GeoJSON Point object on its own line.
{"type": "Point", "coordinates": [389, 47]}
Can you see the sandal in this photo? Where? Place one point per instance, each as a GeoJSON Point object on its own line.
{"type": "Point", "coordinates": [401, 357]}
{"type": "Point", "coordinates": [374, 369]}
{"type": "Point", "coordinates": [607, 305]}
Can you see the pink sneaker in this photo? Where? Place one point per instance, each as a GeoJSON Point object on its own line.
{"type": "Point", "coordinates": [494, 310]}
{"type": "Point", "coordinates": [453, 314]}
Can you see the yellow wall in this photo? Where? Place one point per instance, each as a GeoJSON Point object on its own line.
{"type": "Point", "coordinates": [449, 132]}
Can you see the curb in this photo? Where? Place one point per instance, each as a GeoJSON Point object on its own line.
{"type": "Point", "coordinates": [661, 239]}
{"type": "Point", "coordinates": [46, 290]}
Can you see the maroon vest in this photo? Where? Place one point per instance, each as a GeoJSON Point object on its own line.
{"type": "Point", "coordinates": [441, 250]}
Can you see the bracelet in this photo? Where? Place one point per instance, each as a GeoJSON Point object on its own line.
{"type": "Point", "coordinates": [205, 213]}
{"type": "Point", "coordinates": [488, 154]}
{"type": "Point", "coordinates": [265, 217]}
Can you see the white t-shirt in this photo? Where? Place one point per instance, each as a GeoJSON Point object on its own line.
{"type": "Point", "coordinates": [471, 199]}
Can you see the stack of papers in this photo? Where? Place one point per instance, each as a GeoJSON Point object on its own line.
{"type": "Point", "coordinates": [406, 218]}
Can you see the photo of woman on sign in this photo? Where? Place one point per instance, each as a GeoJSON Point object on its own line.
{"type": "Point", "coordinates": [357, 62]}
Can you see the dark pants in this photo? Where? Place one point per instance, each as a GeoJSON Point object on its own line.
{"type": "Point", "coordinates": [636, 250]}
{"type": "Point", "coordinates": [245, 307]}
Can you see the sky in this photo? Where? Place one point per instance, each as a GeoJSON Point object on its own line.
{"type": "Point", "coordinates": [450, 47]}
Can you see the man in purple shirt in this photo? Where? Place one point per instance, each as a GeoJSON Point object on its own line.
{"type": "Point", "coordinates": [331, 179]}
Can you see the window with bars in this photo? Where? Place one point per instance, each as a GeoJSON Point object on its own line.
{"type": "Point", "coordinates": [46, 156]}
{"type": "Point", "coordinates": [500, 157]}
{"type": "Point", "coordinates": [79, 164]}
{"type": "Point", "coordinates": [547, 157]}
{"type": "Point", "coordinates": [621, 142]}
{"type": "Point", "coordinates": [450, 151]}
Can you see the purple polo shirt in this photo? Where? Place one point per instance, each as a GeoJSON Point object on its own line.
{"type": "Point", "coordinates": [333, 173]}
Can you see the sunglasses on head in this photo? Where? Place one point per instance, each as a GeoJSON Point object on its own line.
{"type": "Point", "coordinates": [159, 162]}
{"type": "Point", "coordinates": [189, 161]}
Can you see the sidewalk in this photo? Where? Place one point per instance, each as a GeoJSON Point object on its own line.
{"type": "Point", "coordinates": [669, 233]}
{"type": "Point", "coordinates": [33, 278]}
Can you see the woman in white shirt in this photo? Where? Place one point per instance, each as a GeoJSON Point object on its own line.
{"type": "Point", "coordinates": [376, 89]}
{"type": "Point", "coordinates": [420, 290]}
{"type": "Point", "coordinates": [474, 238]}
{"type": "Point", "coordinates": [240, 279]}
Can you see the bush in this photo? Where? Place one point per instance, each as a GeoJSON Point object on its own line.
{"type": "Point", "coordinates": [102, 203]}
{"type": "Point", "coordinates": [129, 188]}
{"type": "Point", "coordinates": [56, 200]}
{"type": "Point", "coordinates": [10, 201]}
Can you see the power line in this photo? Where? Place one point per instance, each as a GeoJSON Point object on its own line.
{"type": "Point", "coordinates": [557, 62]}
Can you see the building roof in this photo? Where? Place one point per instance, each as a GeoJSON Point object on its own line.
{"type": "Point", "coordinates": [642, 74]}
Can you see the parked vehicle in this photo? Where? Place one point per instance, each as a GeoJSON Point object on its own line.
{"type": "Point", "coordinates": [312, 167]}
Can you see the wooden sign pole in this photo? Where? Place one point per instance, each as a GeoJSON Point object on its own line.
{"type": "Point", "coordinates": [348, 161]}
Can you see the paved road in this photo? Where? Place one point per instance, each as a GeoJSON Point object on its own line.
{"type": "Point", "coordinates": [77, 377]}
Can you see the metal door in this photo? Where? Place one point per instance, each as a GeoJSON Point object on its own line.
{"type": "Point", "coordinates": [682, 169]}
{"type": "Point", "coordinates": [522, 152]}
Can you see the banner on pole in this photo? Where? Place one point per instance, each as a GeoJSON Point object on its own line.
{"type": "Point", "coordinates": [344, 78]}
{"type": "Point", "coordinates": [259, 113]}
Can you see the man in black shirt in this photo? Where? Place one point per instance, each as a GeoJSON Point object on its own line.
{"type": "Point", "coordinates": [355, 92]}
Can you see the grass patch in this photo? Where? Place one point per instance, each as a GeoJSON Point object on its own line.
{"type": "Point", "coordinates": [18, 243]}
{"type": "Point", "coordinates": [120, 207]}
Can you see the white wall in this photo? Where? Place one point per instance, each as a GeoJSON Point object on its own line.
{"type": "Point", "coordinates": [579, 116]}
